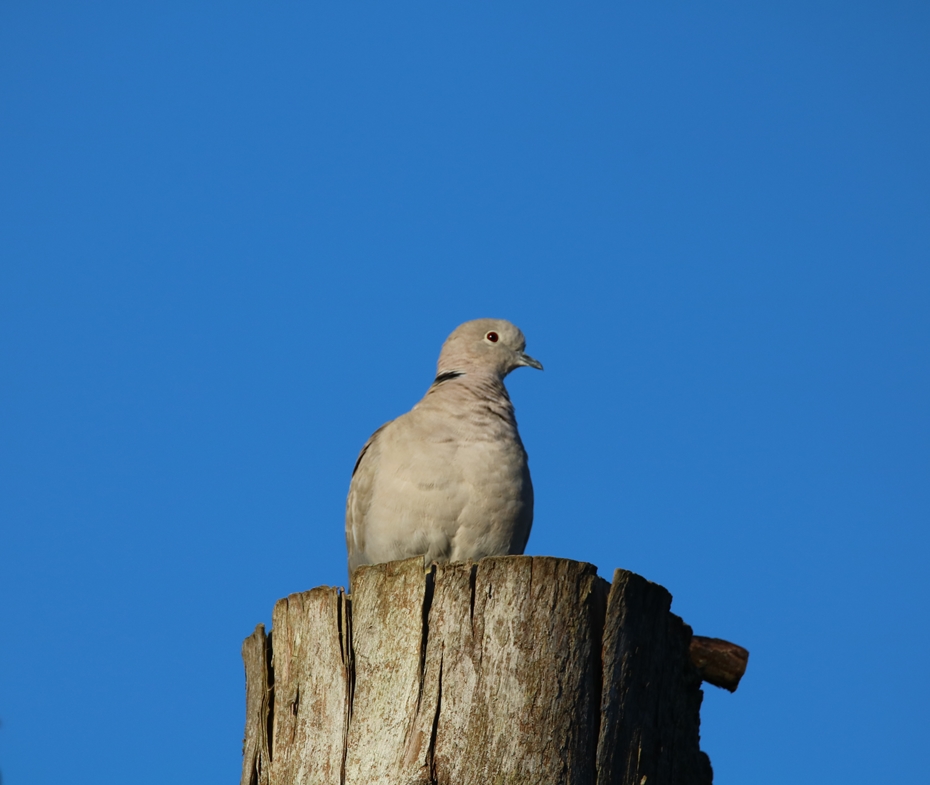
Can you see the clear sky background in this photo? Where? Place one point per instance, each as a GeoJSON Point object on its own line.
{"type": "Point", "coordinates": [234, 236]}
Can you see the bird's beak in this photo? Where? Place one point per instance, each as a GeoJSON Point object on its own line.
{"type": "Point", "coordinates": [525, 359]}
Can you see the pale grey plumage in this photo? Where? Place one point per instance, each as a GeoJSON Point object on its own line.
{"type": "Point", "coordinates": [449, 479]}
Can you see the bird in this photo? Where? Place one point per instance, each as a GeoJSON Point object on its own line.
{"type": "Point", "coordinates": [448, 480]}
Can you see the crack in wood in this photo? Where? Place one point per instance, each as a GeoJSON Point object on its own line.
{"type": "Point", "coordinates": [431, 750]}
{"type": "Point", "coordinates": [472, 581]}
{"type": "Point", "coordinates": [344, 620]}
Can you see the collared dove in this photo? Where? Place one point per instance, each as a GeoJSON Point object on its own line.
{"type": "Point", "coordinates": [449, 479]}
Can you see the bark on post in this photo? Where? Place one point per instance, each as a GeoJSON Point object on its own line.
{"type": "Point", "coordinates": [517, 669]}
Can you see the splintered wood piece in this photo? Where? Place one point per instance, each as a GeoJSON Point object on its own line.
{"type": "Point", "coordinates": [719, 662]}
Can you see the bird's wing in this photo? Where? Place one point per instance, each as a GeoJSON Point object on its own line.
{"type": "Point", "coordinates": [525, 522]}
{"type": "Point", "coordinates": [359, 499]}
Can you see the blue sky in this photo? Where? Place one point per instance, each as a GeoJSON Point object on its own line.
{"type": "Point", "coordinates": [233, 238]}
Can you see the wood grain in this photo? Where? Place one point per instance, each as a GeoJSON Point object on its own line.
{"type": "Point", "coordinates": [514, 669]}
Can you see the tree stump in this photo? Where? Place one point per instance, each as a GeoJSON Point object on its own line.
{"type": "Point", "coordinates": [514, 669]}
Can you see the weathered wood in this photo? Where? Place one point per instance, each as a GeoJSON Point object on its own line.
{"type": "Point", "coordinates": [516, 642]}
{"type": "Point", "coordinates": [311, 687]}
{"type": "Point", "coordinates": [651, 699]}
{"type": "Point", "coordinates": [389, 604]}
{"type": "Point", "coordinates": [719, 662]}
{"type": "Point", "coordinates": [514, 669]}
{"type": "Point", "coordinates": [256, 753]}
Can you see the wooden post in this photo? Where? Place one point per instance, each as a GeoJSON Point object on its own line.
{"type": "Point", "coordinates": [516, 669]}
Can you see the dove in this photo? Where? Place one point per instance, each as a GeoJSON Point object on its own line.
{"type": "Point", "coordinates": [448, 480]}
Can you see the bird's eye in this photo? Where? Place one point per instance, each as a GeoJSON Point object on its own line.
{"type": "Point", "coordinates": [492, 336]}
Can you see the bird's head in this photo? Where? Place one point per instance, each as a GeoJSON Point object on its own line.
{"type": "Point", "coordinates": [485, 347]}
